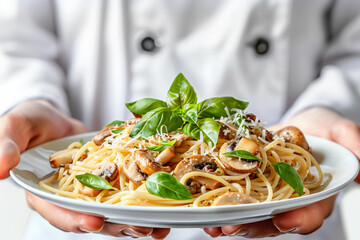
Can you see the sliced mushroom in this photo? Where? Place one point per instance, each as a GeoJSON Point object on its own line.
{"type": "Point", "coordinates": [132, 171]}
{"type": "Point", "coordinates": [193, 186]}
{"type": "Point", "coordinates": [294, 135]}
{"type": "Point", "coordinates": [62, 158]}
{"type": "Point", "coordinates": [236, 164]}
{"type": "Point", "coordinates": [179, 137]}
{"type": "Point", "coordinates": [166, 155]}
{"type": "Point", "coordinates": [104, 133]}
{"type": "Point", "coordinates": [268, 136]}
{"type": "Point", "coordinates": [258, 132]}
{"type": "Point", "coordinates": [251, 116]}
{"type": "Point", "coordinates": [109, 171]}
{"type": "Point", "coordinates": [197, 163]}
{"type": "Point", "coordinates": [226, 132]}
{"type": "Point", "coordinates": [233, 198]}
{"type": "Point", "coordinates": [147, 164]}
{"type": "Point", "coordinates": [107, 131]}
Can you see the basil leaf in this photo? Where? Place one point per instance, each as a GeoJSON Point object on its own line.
{"type": "Point", "coordinates": [116, 131]}
{"type": "Point", "coordinates": [180, 93]}
{"type": "Point", "coordinates": [162, 146]}
{"type": "Point", "coordinates": [115, 123]}
{"type": "Point", "coordinates": [215, 107]}
{"type": "Point", "coordinates": [209, 128]}
{"type": "Point", "coordinates": [165, 185]}
{"type": "Point", "coordinates": [242, 154]}
{"type": "Point", "coordinates": [94, 181]}
{"type": "Point", "coordinates": [289, 175]}
{"type": "Point", "coordinates": [190, 113]}
{"type": "Point", "coordinates": [160, 120]}
{"type": "Point", "coordinates": [145, 105]}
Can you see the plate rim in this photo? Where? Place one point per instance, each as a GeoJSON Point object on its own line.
{"type": "Point", "coordinates": [308, 199]}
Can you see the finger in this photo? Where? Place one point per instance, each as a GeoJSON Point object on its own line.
{"type": "Point", "coordinates": [64, 219]}
{"type": "Point", "coordinates": [77, 127]}
{"type": "Point", "coordinates": [305, 220]}
{"type": "Point", "coordinates": [122, 230]}
{"type": "Point", "coordinates": [214, 231]}
{"type": "Point", "coordinates": [277, 127]}
{"type": "Point", "coordinates": [160, 233]}
{"type": "Point", "coordinates": [252, 230]}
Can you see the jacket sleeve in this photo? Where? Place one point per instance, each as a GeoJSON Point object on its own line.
{"type": "Point", "coordinates": [28, 55]}
{"type": "Point", "coordinates": [338, 85]}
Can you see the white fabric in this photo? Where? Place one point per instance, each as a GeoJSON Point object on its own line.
{"type": "Point", "coordinates": [89, 52]}
{"type": "Point", "coordinates": [85, 56]}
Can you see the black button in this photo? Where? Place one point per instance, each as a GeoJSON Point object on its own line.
{"type": "Point", "coordinates": [148, 44]}
{"type": "Point", "coordinates": [261, 46]}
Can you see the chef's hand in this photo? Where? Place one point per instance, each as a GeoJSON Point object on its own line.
{"type": "Point", "coordinates": [302, 221]}
{"type": "Point", "coordinates": [71, 221]}
{"type": "Point", "coordinates": [317, 121]}
{"type": "Point", "coordinates": [37, 121]}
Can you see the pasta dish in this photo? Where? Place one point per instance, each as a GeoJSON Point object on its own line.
{"type": "Point", "coordinates": [184, 153]}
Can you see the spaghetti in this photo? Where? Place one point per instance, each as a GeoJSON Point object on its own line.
{"type": "Point", "coordinates": [212, 177]}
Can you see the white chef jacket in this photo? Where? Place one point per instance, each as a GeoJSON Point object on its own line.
{"type": "Point", "coordinates": [91, 57]}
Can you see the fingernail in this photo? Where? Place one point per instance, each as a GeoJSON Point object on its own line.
{"type": "Point", "coordinates": [84, 230]}
{"type": "Point", "coordinates": [239, 232]}
{"type": "Point", "coordinates": [132, 233]}
{"type": "Point", "coordinates": [291, 230]}
{"type": "Point", "coordinates": [217, 235]}
{"type": "Point", "coordinates": [88, 230]}
{"type": "Point", "coordinates": [157, 238]}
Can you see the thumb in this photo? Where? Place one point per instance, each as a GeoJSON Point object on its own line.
{"type": "Point", "coordinates": [14, 138]}
{"type": "Point", "coordinates": [347, 133]}
{"type": "Point", "coordinates": [9, 157]}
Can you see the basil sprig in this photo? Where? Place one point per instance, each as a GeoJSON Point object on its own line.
{"type": "Point", "coordinates": [94, 181]}
{"type": "Point", "coordinates": [162, 146]}
{"type": "Point", "coordinates": [115, 123]}
{"type": "Point", "coordinates": [159, 120]}
{"type": "Point", "coordinates": [242, 154]}
{"type": "Point", "coordinates": [145, 105]}
{"type": "Point", "coordinates": [116, 131]}
{"type": "Point", "coordinates": [219, 106]}
{"type": "Point", "coordinates": [290, 176]}
{"type": "Point", "coordinates": [180, 93]}
{"type": "Point", "coordinates": [181, 111]}
{"type": "Point", "coordinates": [208, 127]}
{"type": "Point", "coordinates": [165, 185]}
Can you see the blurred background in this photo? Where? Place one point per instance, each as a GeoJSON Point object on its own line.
{"type": "Point", "coordinates": [258, 56]}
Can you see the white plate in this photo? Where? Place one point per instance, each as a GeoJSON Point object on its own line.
{"type": "Point", "coordinates": [333, 159]}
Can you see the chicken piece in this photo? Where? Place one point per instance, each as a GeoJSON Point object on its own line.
{"type": "Point", "coordinates": [63, 157]}
{"type": "Point", "coordinates": [147, 163]}
{"type": "Point", "coordinates": [233, 198]}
